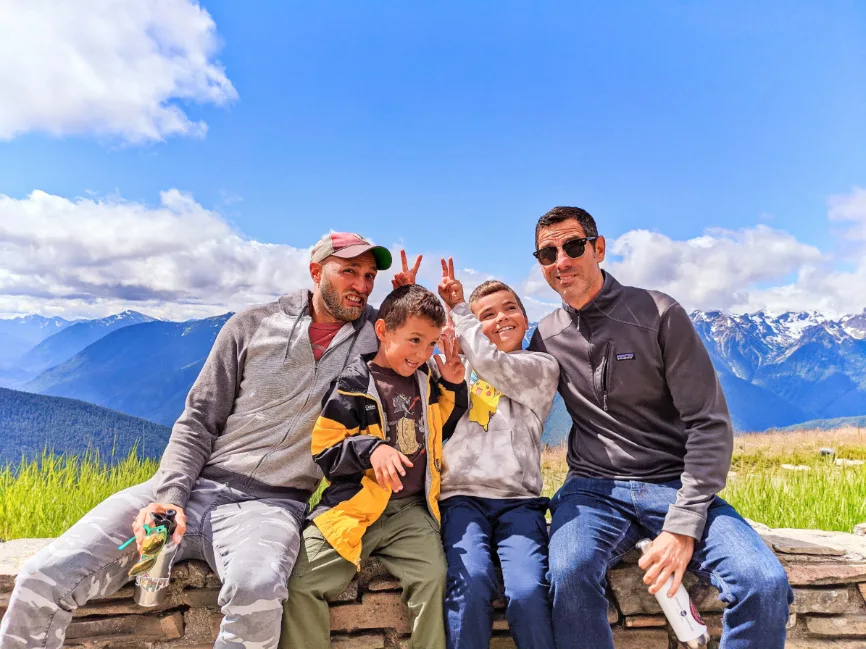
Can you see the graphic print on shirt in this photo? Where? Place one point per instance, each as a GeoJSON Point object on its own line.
{"type": "Point", "coordinates": [484, 399]}
{"type": "Point", "coordinates": [406, 437]}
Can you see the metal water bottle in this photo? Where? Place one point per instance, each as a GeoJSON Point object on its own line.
{"type": "Point", "coordinates": [679, 610]}
{"type": "Point", "coordinates": [151, 588]}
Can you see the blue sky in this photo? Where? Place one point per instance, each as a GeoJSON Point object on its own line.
{"type": "Point", "coordinates": [714, 132]}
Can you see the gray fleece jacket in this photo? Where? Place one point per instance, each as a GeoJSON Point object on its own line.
{"type": "Point", "coordinates": [643, 396]}
{"type": "Point", "coordinates": [498, 454]}
{"type": "Point", "coordinates": [249, 416]}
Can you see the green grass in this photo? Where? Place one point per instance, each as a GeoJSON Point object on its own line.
{"type": "Point", "coordinates": [44, 497]}
{"type": "Point", "coordinates": [825, 496]}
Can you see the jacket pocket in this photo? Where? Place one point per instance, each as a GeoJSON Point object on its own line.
{"type": "Point", "coordinates": [606, 369]}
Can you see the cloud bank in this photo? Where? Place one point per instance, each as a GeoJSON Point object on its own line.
{"type": "Point", "coordinates": [121, 69]}
{"type": "Point", "coordinates": [745, 270]}
{"type": "Point", "coordinates": [88, 257]}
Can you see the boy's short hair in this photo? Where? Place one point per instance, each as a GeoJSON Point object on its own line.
{"type": "Point", "coordinates": [494, 286]}
{"type": "Point", "coordinates": [406, 301]}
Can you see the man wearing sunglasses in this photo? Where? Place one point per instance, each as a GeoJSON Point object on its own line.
{"type": "Point", "coordinates": [649, 448]}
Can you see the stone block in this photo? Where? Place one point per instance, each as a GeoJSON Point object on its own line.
{"type": "Point", "coordinates": [13, 554]}
{"type": "Point", "coordinates": [376, 611]}
{"type": "Point", "coordinates": [633, 598]}
{"type": "Point", "coordinates": [813, 643]}
{"type": "Point", "coordinates": [641, 639]}
{"type": "Point", "coordinates": [144, 627]}
{"type": "Point", "coordinates": [199, 625]}
{"type": "Point", "coordinates": [380, 584]}
{"type": "Point", "coordinates": [812, 600]}
{"type": "Point", "coordinates": [837, 627]}
{"type": "Point", "coordinates": [201, 597]}
{"type": "Point", "coordinates": [502, 642]}
{"type": "Point", "coordinates": [350, 594]}
{"type": "Point", "coordinates": [825, 574]}
{"type": "Point", "coordinates": [642, 621]}
{"type": "Point", "coordinates": [359, 641]}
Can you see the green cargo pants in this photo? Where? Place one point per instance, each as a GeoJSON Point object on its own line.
{"type": "Point", "coordinates": [406, 540]}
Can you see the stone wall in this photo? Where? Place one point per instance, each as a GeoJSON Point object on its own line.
{"type": "Point", "coordinates": [827, 571]}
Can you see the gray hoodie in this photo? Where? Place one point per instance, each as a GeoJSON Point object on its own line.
{"type": "Point", "coordinates": [250, 413]}
{"type": "Point", "coordinates": [643, 396]}
{"type": "Point", "coordinates": [503, 461]}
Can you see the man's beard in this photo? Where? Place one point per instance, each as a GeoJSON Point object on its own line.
{"type": "Point", "coordinates": [334, 301]}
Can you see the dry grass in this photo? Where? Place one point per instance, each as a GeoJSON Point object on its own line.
{"type": "Point", "coordinates": [824, 496]}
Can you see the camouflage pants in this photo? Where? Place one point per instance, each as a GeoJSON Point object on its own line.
{"type": "Point", "coordinates": [250, 543]}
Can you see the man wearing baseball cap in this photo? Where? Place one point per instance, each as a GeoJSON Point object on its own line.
{"type": "Point", "coordinates": [237, 469]}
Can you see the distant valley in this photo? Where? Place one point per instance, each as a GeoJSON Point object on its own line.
{"type": "Point", "coordinates": [777, 371]}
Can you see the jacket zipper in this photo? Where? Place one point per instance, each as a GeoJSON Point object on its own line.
{"type": "Point", "coordinates": [605, 371]}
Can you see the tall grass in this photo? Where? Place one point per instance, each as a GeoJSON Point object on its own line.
{"type": "Point", "coordinates": [823, 496]}
{"type": "Point", "coordinates": [43, 497]}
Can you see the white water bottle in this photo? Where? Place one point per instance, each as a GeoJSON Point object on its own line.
{"type": "Point", "coordinates": [679, 610]}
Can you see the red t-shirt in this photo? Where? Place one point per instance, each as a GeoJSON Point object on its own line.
{"type": "Point", "coordinates": [321, 336]}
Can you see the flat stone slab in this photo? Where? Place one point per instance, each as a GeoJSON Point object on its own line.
{"type": "Point", "coordinates": [827, 601]}
{"type": "Point", "coordinates": [843, 625]}
{"type": "Point", "coordinates": [819, 543]}
{"type": "Point", "coordinates": [13, 554]}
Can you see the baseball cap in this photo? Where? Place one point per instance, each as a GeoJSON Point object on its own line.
{"type": "Point", "coordinates": [347, 245]}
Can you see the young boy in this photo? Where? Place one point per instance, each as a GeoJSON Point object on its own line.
{"type": "Point", "coordinates": [379, 444]}
{"type": "Point", "coordinates": [491, 482]}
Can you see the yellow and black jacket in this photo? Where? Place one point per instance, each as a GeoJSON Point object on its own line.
{"type": "Point", "coordinates": [351, 426]}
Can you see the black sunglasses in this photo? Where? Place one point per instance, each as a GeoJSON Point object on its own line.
{"type": "Point", "coordinates": [574, 248]}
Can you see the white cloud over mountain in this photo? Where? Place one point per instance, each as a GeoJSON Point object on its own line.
{"type": "Point", "coordinates": [745, 270]}
{"type": "Point", "coordinates": [120, 69]}
{"type": "Point", "coordinates": [95, 256]}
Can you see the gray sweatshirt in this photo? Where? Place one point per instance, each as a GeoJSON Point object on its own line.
{"type": "Point", "coordinates": [249, 416]}
{"type": "Point", "coordinates": [643, 396]}
{"type": "Point", "coordinates": [503, 461]}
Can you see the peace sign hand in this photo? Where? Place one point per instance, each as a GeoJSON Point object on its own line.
{"type": "Point", "coordinates": [407, 276]}
{"type": "Point", "coordinates": [450, 289]}
{"type": "Point", "coordinates": [452, 368]}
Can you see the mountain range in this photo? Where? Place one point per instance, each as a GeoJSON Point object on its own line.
{"type": "Point", "coordinates": [33, 423]}
{"type": "Point", "coordinates": [777, 370]}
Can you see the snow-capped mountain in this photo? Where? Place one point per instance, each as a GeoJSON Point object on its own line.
{"type": "Point", "coordinates": [804, 364]}
{"type": "Point", "coordinates": [776, 369]}
{"type": "Point", "coordinates": [71, 340]}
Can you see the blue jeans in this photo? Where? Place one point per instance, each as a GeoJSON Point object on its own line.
{"type": "Point", "coordinates": [515, 529]}
{"type": "Point", "coordinates": [596, 521]}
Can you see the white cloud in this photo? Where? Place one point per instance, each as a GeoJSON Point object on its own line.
{"type": "Point", "coordinates": [122, 69]}
{"type": "Point", "coordinates": [745, 270]}
{"type": "Point", "coordinates": [90, 257]}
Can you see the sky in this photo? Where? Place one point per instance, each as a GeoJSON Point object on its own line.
{"type": "Point", "coordinates": [180, 159]}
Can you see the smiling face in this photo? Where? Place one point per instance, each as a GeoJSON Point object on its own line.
{"type": "Point", "coordinates": [342, 287]}
{"type": "Point", "coordinates": [579, 280]}
{"type": "Point", "coordinates": [407, 347]}
{"type": "Point", "coordinates": [502, 320]}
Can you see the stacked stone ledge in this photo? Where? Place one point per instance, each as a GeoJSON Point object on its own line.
{"type": "Point", "coordinates": [827, 571]}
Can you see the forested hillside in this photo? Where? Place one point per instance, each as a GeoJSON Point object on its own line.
{"type": "Point", "coordinates": [31, 423]}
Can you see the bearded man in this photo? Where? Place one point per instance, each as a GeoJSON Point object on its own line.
{"type": "Point", "coordinates": [237, 469]}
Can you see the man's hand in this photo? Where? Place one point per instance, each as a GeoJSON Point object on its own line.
{"type": "Point", "coordinates": [669, 555]}
{"type": "Point", "coordinates": [406, 277]}
{"type": "Point", "coordinates": [388, 464]}
{"type": "Point", "coordinates": [144, 517]}
{"type": "Point", "coordinates": [450, 289]}
{"type": "Point", "coordinates": [452, 369]}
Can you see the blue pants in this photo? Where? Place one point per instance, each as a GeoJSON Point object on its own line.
{"type": "Point", "coordinates": [515, 529]}
{"type": "Point", "coordinates": [596, 521]}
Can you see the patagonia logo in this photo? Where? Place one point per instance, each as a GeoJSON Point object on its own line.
{"type": "Point", "coordinates": [370, 406]}
{"type": "Point", "coordinates": [625, 357]}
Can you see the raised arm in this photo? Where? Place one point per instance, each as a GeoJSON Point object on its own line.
{"type": "Point", "coordinates": [530, 378]}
